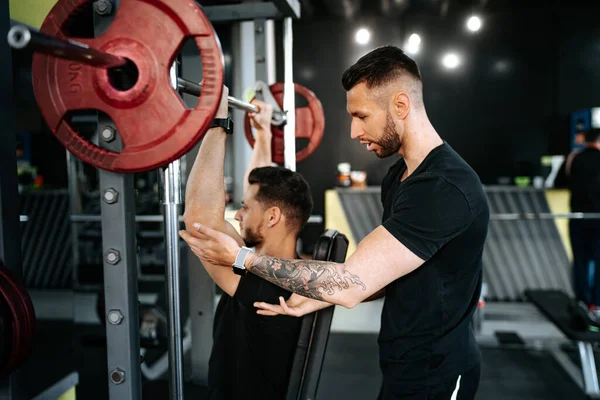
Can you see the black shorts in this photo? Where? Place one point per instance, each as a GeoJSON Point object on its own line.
{"type": "Point", "coordinates": [463, 387]}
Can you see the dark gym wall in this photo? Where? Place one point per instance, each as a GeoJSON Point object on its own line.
{"type": "Point", "coordinates": [579, 63]}
{"type": "Point", "coordinates": [505, 107]}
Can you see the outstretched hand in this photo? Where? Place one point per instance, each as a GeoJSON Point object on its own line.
{"type": "Point", "coordinates": [211, 246]}
{"type": "Point", "coordinates": [295, 306]}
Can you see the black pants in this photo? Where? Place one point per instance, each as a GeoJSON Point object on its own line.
{"type": "Point", "coordinates": [465, 386]}
{"type": "Point", "coordinates": [585, 242]}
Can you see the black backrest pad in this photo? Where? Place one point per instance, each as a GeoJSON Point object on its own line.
{"type": "Point", "coordinates": [314, 333]}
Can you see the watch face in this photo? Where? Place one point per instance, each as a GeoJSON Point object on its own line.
{"type": "Point", "coordinates": [239, 271]}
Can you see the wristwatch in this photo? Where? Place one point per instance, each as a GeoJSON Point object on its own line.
{"type": "Point", "coordinates": [240, 259]}
{"type": "Point", "coordinates": [225, 123]}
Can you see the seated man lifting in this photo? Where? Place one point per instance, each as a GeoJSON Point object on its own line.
{"type": "Point", "coordinates": [252, 354]}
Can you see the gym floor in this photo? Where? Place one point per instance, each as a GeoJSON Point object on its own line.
{"type": "Point", "coordinates": [510, 370]}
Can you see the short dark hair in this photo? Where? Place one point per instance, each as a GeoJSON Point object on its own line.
{"type": "Point", "coordinates": [379, 67]}
{"type": "Point", "coordinates": [285, 189]}
{"type": "Point", "coordinates": [592, 135]}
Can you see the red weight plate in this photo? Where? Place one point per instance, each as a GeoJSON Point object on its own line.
{"type": "Point", "coordinates": [152, 120]}
{"type": "Point", "coordinates": [22, 322]}
{"type": "Point", "coordinates": [310, 124]}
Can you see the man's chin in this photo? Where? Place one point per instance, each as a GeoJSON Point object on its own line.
{"type": "Point", "coordinates": [384, 152]}
{"type": "Point", "coordinates": [381, 154]}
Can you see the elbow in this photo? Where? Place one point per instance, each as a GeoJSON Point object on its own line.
{"type": "Point", "coordinates": [350, 302]}
{"type": "Point", "coordinates": [189, 220]}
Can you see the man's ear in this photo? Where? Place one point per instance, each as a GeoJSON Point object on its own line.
{"type": "Point", "coordinates": [402, 103]}
{"type": "Point", "coordinates": [274, 216]}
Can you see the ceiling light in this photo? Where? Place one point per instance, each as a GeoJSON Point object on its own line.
{"type": "Point", "coordinates": [413, 44]}
{"type": "Point", "coordinates": [451, 60]}
{"type": "Point", "coordinates": [474, 23]}
{"type": "Point", "coordinates": [363, 35]}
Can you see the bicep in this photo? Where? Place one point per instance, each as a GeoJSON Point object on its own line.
{"type": "Point", "coordinates": [380, 259]}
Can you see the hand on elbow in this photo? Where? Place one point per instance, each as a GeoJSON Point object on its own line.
{"type": "Point", "coordinates": [190, 220]}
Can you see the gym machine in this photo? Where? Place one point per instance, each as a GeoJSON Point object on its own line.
{"type": "Point", "coordinates": [75, 74]}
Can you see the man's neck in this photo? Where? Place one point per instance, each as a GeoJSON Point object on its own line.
{"type": "Point", "coordinates": [280, 248]}
{"type": "Point", "coordinates": [418, 142]}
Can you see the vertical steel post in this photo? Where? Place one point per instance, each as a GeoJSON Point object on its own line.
{"type": "Point", "coordinates": [289, 97]}
{"type": "Point", "coordinates": [117, 210]}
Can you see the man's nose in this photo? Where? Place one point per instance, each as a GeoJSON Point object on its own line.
{"type": "Point", "coordinates": [355, 130]}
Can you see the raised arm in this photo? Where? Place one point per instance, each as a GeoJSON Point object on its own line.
{"type": "Point", "coordinates": [261, 153]}
{"type": "Point", "coordinates": [205, 195]}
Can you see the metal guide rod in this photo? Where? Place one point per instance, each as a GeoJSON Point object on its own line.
{"type": "Point", "coordinates": [289, 97]}
{"type": "Point", "coordinates": [21, 37]}
{"type": "Point", "coordinates": [171, 203]}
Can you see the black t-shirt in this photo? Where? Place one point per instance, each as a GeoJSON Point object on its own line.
{"type": "Point", "coordinates": [252, 354]}
{"type": "Point", "coordinates": [584, 181]}
{"type": "Point", "coordinates": [441, 214]}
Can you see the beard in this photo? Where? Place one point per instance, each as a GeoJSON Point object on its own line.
{"type": "Point", "coordinates": [253, 238]}
{"type": "Point", "coordinates": [390, 142]}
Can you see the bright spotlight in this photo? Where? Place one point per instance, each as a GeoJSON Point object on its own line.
{"type": "Point", "coordinates": [474, 23]}
{"type": "Point", "coordinates": [413, 44]}
{"type": "Point", "coordinates": [362, 36]}
{"type": "Point", "coordinates": [414, 40]}
{"type": "Point", "coordinates": [451, 60]}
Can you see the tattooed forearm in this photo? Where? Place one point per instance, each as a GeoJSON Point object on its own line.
{"type": "Point", "coordinates": [308, 278]}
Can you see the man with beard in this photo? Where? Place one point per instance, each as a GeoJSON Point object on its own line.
{"type": "Point", "coordinates": [425, 257]}
{"type": "Point", "coordinates": [252, 354]}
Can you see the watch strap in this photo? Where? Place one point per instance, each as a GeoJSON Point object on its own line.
{"type": "Point", "coordinates": [240, 259]}
{"type": "Point", "coordinates": [225, 123]}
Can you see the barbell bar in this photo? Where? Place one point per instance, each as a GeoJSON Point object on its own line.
{"type": "Point", "coordinates": [313, 219]}
{"type": "Point", "coordinates": [319, 219]}
{"type": "Point", "coordinates": [533, 216]}
{"type": "Point", "coordinates": [21, 37]}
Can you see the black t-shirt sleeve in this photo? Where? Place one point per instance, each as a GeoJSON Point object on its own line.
{"type": "Point", "coordinates": [428, 213]}
{"type": "Point", "coordinates": [252, 288]}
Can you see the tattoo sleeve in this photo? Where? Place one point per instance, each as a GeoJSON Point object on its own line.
{"type": "Point", "coordinates": [309, 278]}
